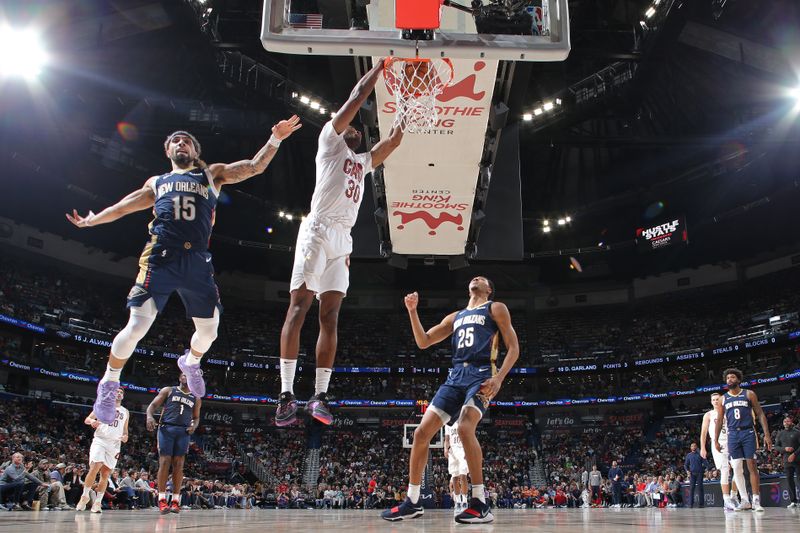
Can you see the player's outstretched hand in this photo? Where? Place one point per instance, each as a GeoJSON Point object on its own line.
{"type": "Point", "coordinates": [284, 128]}
{"type": "Point", "coordinates": [411, 301]}
{"type": "Point", "coordinates": [151, 423]}
{"type": "Point", "coordinates": [718, 446]}
{"type": "Point", "coordinates": [79, 221]}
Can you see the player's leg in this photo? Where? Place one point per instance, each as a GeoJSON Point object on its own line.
{"type": "Point", "coordinates": [478, 511]}
{"type": "Point", "coordinates": [177, 482]}
{"type": "Point", "coordinates": [432, 421]}
{"type": "Point", "coordinates": [105, 471]}
{"type": "Point", "coordinates": [755, 482]}
{"type": "Point", "coordinates": [164, 465]}
{"type": "Point", "coordinates": [461, 489]}
{"type": "Point", "coordinates": [88, 481]}
{"type": "Point", "coordinates": [330, 302]}
{"type": "Point", "coordinates": [142, 316]}
{"type": "Point", "coordinates": [300, 302]}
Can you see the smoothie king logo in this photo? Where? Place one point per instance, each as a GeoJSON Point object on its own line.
{"type": "Point", "coordinates": [420, 205]}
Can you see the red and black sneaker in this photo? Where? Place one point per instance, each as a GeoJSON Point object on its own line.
{"type": "Point", "coordinates": [403, 511]}
{"type": "Point", "coordinates": [163, 506]}
{"type": "Point", "coordinates": [318, 408]}
{"type": "Point", "coordinates": [478, 512]}
{"type": "Point", "coordinates": [174, 508]}
{"type": "Point", "coordinates": [287, 410]}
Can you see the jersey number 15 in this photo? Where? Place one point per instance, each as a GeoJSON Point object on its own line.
{"type": "Point", "coordinates": [183, 208]}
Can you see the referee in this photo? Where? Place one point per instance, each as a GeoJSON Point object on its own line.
{"type": "Point", "coordinates": [787, 443]}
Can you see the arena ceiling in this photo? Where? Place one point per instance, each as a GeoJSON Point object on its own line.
{"type": "Point", "coordinates": [689, 118]}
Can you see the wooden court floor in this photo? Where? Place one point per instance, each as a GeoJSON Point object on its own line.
{"type": "Point", "coordinates": [774, 520]}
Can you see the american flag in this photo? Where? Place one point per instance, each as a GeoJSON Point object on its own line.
{"type": "Point", "coordinates": [311, 21]}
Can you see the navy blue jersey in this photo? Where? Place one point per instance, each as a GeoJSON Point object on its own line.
{"type": "Point", "coordinates": [475, 337]}
{"type": "Point", "coordinates": [178, 408]}
{"type": "Point", "coordinates": [184, 209]}
{"type": "Point", "coordinates": [738, 411]}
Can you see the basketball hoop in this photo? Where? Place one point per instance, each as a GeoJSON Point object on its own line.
{"type": "Point", "coordinates": [415, 83]}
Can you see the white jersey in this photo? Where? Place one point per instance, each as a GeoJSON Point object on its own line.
{"type": "Point", "coordinates": [456, 447]}
{"type": "Point", "coordinates": [340, 178]}
{"type": "Point", "coordinates": [113, 432]}
{"type": "Point", "coordinates": [712, 428]}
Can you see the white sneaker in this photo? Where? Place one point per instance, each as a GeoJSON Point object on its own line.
{"type": "Point", "coordinates": [729, 506]}
{"type": "Point", "coordinates": [757, 508]}
{"type": "Point", "coordinates": [791, 505]}
{"type": "Point", "coordinates": [744, 506]}
{"type": "Point", "coordinates": [97, 506]}
{"type": "Point", "coordinates": [82, 503]}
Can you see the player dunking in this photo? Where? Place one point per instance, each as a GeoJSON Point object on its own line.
{"type": "Point", "coordinates": [179, 420]}
{"type": "Point", "coordinates": [324, 244]}
{"type": "Point", "coordinates": [737, 408]}
{"type": "Point", "coordinates": [104, 452]}
{"type": "Point", "coordinates": [176, 258]}
{"type": "Point", "coordinates": [473, 381]}
{"type": "Point", "coordinates": [456, 466]}
{"type": "Point", "coordinates": [721, 460]}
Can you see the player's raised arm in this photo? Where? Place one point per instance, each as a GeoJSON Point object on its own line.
{"type": "Point", "coordinates": [386, 146]}
{"type": "Point", "coordinates": [138, 200]}
{"type": "Point", "coordinates": [436, 334]}
{"type": "Point", "coordinates": [157, 402]}
{"type": "Point", "coordinates": [360, 92]}
{"type": "Point", "coordinates": [227, 173]}
{"type": "Point", "coordinates": [762, 418]}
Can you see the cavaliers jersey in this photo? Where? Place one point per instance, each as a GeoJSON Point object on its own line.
{"type": "Point", "coordinates": [184, 208]}
{"type": "Point", "coordinates": [178, 408]}
{"type": "Point", "coordinates": [340, 178]}
{"type": "Point", "coordinates": [712, 428]}
{"type": "Point", "coordinates": [115, 430]}
{"type": "Point", "coordinates": [738, 411]}
{"type": "Point", "coordinates": [475, 338]}
{"type": "Point", "coordinates": [456, 446]}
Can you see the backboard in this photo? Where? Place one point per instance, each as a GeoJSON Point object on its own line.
{"type": "Point", "coordinates": [437, 442]}
{"type": "Point", "coordinates": [514, 30]}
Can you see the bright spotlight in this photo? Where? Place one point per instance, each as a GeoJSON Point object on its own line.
{"type": "Point", "coordinates": [568, 219]}
{"type": "Point", "coordinates": [548, 106]}
{"type": "Point", "coordinates": [305, 99]}
{"type": "Point", "coordinates": [289, 216]}
{"type": "Point", "coordinates": [650, 12]}
{"type": "Point", "coordinates": [546, 229]}
{"type": "Point", "coordinates": [527, 116]}
{"type": "Point", "coordinates": [281, 214]}
{"type": "Point", "coordinates": [561, 221]}
{"type": "Point", "coordinates": [538, 111]}
{"type": "Point", "coordinates": [545, 222]}
{"type": "Point", "coordinates": [21, 53]}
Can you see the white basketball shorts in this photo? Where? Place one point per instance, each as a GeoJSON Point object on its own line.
{"type": "Point", "coordinates": [322, 256]}
{"type": "Point", "coordinates": [457, 464]}
{"type": "Point", "coordinates": [106, 452]}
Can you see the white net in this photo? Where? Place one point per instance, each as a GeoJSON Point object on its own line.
{"type": "Point", "coordinates": [415, 83]}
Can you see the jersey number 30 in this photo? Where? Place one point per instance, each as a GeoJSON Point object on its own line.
{"type": "Point", "coordinates": [465, 338]}
{"type": "Point", "coordinates": [183, 208]}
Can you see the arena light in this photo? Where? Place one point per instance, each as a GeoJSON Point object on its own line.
{"type": "Point", "coordinates": [527, 117]}
{"type": "Point", "coordinates": [548, 106]}
{"type": "Point", "coordinates": [562, 221]}
{"type": "Point", "coordinates": [568, 219]}
{"type": "Point", "coordinates": [282, 214]}
{"type": "Point", "coordinates": [538, 111]}
{"type": "Point", "coordinates": [546, 229]}
{"type": "Point", "coordinates": [322, 110]}
{"type": "Point", "coordinates": [22, 53]}
{"type": "Point", "coordinates": [650, 12]}
{"type": "Point", "coordinates": [289, 216]}
{"type": "Point", "coordinates": [545, 222]}
{"type": "Point", "coordinates": [314, 105]}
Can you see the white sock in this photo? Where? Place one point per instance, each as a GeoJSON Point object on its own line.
{"type": "Point", "coordinates": [477, 492]}
{"type": "Point", "coordinates": [288, 369]}
{"type": "Point", "coordinates": [112, 374]}
{"type": "Point", "coordinates": [323, 379]}
{"type": "Point", "coordinates": [462, 498]}
{"type": "Point", "coordinates": [162, 496]}
{"type": "Point", "coordinates": [413, 492]}
{"type": "Point", "coordinates": [756, 499]}
{"type": "Point", "coordinates": [192, 359]}
{"type": "Point", "coordinates": [86, 491]}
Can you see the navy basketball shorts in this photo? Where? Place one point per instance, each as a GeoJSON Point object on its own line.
{"type": "Point", "coordinates": [742, 444]}
{"type": "Point", "coordinates": [173, 441]}
{"type": "Point", "coordinates": [164, 270]}
{"type": "Point", "coordinates": [462, 388]}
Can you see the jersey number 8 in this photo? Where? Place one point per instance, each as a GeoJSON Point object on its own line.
{"type": "Point", "coordinates": [736, 414]}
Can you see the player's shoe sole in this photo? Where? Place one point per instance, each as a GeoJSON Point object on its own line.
{"type": "Point", "coordinates": [105, 406]}
{"type": "Point", "coordinates": [477, 513]}
{"type": "Point", "coordinates": [194, 376]}
{"type": "Point", "coordinates": [286, 414]}
{"type": "Point", "coordinates": [319, 410]}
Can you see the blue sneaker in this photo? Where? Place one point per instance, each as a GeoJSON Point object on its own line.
{"type": "Point", "coordinates": [105, 406]}
{"type": "Point", "coordinates": [194, 376]}
{"type": "Point", "coordinates": [404, 511]}
{"type": "Point", "coordinates": [478, 512]}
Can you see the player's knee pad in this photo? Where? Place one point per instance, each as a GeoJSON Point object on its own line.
{"type": "Point", "coordinates": [205, 332]}
{"type": "Point", "coordinates": [738, 466]}
{"type": "Point", "coordinates": [725, 474]}
{"type": "Point", "coordinates": [139, 322]}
